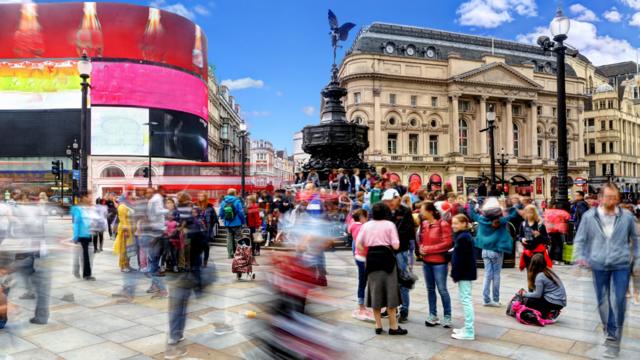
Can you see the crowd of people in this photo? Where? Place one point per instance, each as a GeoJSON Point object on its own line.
{"type": "Point", "coordinates": [390, 228]}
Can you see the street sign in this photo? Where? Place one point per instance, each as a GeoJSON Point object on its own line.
{"type": "Point", "coordinates": [580, 181]}
{"type": "Point", "coordinates": [76, 175]}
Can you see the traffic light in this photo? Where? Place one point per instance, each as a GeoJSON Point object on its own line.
{"type": "Point", "coordinates": [55, 168]}
{"type": "Point", "coordinates": [145, 172]}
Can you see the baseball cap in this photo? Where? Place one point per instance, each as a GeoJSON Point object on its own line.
{"type": "Point", "coordinates": [390, 194]}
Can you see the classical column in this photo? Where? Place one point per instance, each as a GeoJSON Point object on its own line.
{"type": "Point", "coordinates": [377, 127]}
{"type": "Point", "coordinates": [482, 122]}
{"type": "Point", "coordinates": [455, 124]}
{"type": "Point", "coordinates": [509, 127]}
{"type": "Point", "coordinates": [580, 150]}
{"type": "Point", "coordinates": [533, 126]}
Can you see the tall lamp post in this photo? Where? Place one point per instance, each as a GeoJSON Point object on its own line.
{"type": "Point", "coordinates": [503, 163]}
{"type": "Point", "coordinates": [559, 28]}
{"type": "Point", "coordinates": [84, 68]}
{"type": "Point", "coordinates": [72, 153]}
{"type": "Point", "coordinates": [149, 172]}
{"type": "Point", "coordinates": [243, 146]}
{"type": "Point", "coordinates": [491, 126]}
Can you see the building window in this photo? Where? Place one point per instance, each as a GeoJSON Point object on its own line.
{"type": "Point", "coordinates": [592, 146]}
{"type": "Point", "coordinates": [414, 100]}
{"type": "Point", "coordinates": [434, 123]}
{"type": "Point", "coordinates": [591, 124]}
{"type": "Point", "coordinates": [609, 104]}
{"type": "Point", "coordinates": [434, 101]}
{"type": "Point", "coordinates": [433, 144]}
{"type": "Point", "coordinates": [592, 168]}
{"type": "Point", "coordinates": [540, 145]}
{"type": "Point", "coordinates": [392, 143]}
{"type": "Point", "coordinates": [604, 169]}
{"type": "Point", "coordinates": [553, 150]}
{"type": "Point", "coordinates": [554, 112]}
{"type": "Point", "coordinates": [612, 168]}
{"type": "Point", "coordinates": [413, 144]}
{"type": "Point", "coordinates": [568, 113]}
{"type": "Point", "coordinates": [568, 151]}
{"type": "Point", "coordinates": [464, 105]}
{"type": "Point", "coordinates": [610, 124]}
{"type": "Point", "coordinates": [224, 131]}
{"type": "Point", "coordinates": [464, 139]}
{"type": "Point", "coordinates": [603, 148]}
{"type": "Point", "coordinates": [603, 125]}
{"type": "Point", "coordinates": [636, 92]}
{"type": "Point", "coordinates": [516, 140]}
{"type": "Point", "coordinates": [111, 172]}
{"type": "Point", "coordinates": [392, 121]}
{"type": "Point", "coordinates": [356, 98]}
{"type": "Point", "coordinates": [610, 147]}
{"type": "Point", "coordinates": [392, 99]}
{"type": "Point", "coordinates": [539, 110]}
{"type": "Point", "coordinates": [517, 110]}
{"type": "Point", "coordinates": [413, 122]}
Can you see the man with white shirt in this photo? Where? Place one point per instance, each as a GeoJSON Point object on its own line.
{"type": "Point", "coordinates": [607, 243]}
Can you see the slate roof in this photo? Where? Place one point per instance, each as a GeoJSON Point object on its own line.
{"type": "Point", "coordinates": [372, 38]}
{"type": "Point", "coordinates": [617, 69]}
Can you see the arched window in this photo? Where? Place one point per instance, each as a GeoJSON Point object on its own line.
{"type": "Point", "coordinates": [464, 137]}
{"type": "Point", "coordinates": [516, 140]}
{"type": "Point", "coordinates": [140, 172]}
{"type": "Point", "coordinates": [111, 172]}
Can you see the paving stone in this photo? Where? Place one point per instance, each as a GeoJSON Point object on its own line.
{"type": "Point", "coordinates": [101, 324]}
{"type": "Point", "coordinates": [65, 340]}
{"type": "Point", "coordinates": [104, 351]}
{"type": "Point", "coordinates": [483, 345]}
{"type": "Point", "coordinates": [456, 353]}
{"type": "Point", "coordinates": [35, 354]}
{"type": "Point", "coordinates": [538, 353]}
{"type": "Point", "coordinates": [149, 345]}
{"type": "Point", "coordinates": [408, 346]}
{"type": "Point", "coordinates": [219, 342]}
{"type": "Point", "coordinates": [11, 344]}
{"type": "Point", "coordinates": [131, 333]}
{"type": "Point", "coordinates": [532, 339]}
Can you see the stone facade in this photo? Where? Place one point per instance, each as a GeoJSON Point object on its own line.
{"type": "Point", "coordinates": [425, 94]}
{"type": "Point", "coordinates": [270, 166]}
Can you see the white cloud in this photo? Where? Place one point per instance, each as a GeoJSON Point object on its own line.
{"type": "Point", "coordinates": [600, 49]}
{"type": "Point", "coordinates": [613, 15]}
{"type": "Point", "coordinates": [309, 110]}
{"type": "Point", "coordinates": [635, 20]}
{"type": "Point", "coordinates": [243, 83]}
{"type": "Point", "coordinates": [279, 93]}
{"type": "Point", "coordinates": [177, 8]}
{"type": "Point", "coordinates": [635, 4]}
{"type": "Point", "coordinates": [493, 13]}
{"type": "Point", "coordinates": [255, 114]}
{"type": "Point", "coordinates": [15, 1]}
{"type": "Point", "coordinates": [583, 13]}
{"type": "Point", "coordinates": [201, 10]}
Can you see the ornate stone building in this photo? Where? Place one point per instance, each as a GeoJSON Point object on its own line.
{"type": "Point", "coordinates": [612, 125]}
{"type": "Point", "coordinates": [425, 95]}
{"type": "Point", "coordinates": [270, 166]}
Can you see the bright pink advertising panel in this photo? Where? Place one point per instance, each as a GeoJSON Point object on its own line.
{"type": "Point", "coordinates": [114, 83]}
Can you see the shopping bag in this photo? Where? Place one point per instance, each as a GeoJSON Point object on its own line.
{"type": "Point", "coordinates": [567, 253]}
{"type": "Point", "coordinates": [257, 238]}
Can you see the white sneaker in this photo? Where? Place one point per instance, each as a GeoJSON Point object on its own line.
{"type": "Point", "coordinates": [463, 336]}
{"type": "Point", "coordinates": [458, 331]}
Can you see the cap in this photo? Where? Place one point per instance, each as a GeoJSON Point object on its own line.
{"type": "Point", "coordinates": [390, 194]}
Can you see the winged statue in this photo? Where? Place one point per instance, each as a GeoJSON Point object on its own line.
{"type": "Point", "coordinates": [338, 32]}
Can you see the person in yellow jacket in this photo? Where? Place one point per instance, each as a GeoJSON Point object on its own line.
{"type": "Point", "coordinates": [124, 235]}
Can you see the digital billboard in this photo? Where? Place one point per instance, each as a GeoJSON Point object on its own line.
{"type": "Point", "coordinates": [128, 84]}
{"type": "Point", "coordinates": [33, 85]}
{"type": "Point", "coordinates": [178, 135]}
{"type": "Point", "coordinates": [38, 132]}
{"type": "Point", "coordinates": [119, 131]}
{"type": "Point", "coordinates": [102, 30]}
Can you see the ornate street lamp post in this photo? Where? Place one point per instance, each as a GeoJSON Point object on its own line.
{"type": "Point", "coordinates": [503, 163]}
{"type": "Point", "coordinates": [72, 153]}
{"type": "Point", "coordinates": [559, 28]}
{"type": "Point", "coordinates": [84, 68]}
{"type": "Point", "coordinates": [491, 125]}
{"type": "Point", "coordinates": [149, 173]}
{"type": "Point", "coordinates": [243, 145]}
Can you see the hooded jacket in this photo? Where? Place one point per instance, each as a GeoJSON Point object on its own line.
{"type": "Point", "coordinates": [239, 219]}
{"type": "Point", "coordinates": [490, 238]}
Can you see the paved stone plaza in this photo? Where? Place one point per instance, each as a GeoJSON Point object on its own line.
{"type": "Point", "coordinates": [93, 326]}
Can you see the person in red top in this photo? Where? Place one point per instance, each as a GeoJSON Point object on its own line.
{"type": "Point", "coordinates": [436, 239]}
{"type": "Point", "coordinates": [254, 222]}
{"type": "Point", "coordinates": [555, 220]}
{"type": "Point", "coordinates": [360, 216]}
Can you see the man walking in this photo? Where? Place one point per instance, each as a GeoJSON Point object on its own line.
{"type": "Point", "coordinates": [607, 243]}
{"type": "Point", "coordinates": [578, 208]}
{"type": "Point", "coordinates": [403, 219]}
{"type": "Point", "coordinates": [233, 215]}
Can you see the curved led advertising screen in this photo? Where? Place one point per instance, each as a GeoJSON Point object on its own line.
{"type": "Point", "coordinates": [102, 30]}
{"type": "Point", "coordinates": [150, 86]}
{"type": "Point", "coordinates": [119, 131]}
{"type": "Point", "coordinates": [178, 135]}
{"type": "Point", "coordinates": [38, 132]}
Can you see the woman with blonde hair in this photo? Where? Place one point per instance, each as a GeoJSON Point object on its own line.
{"type": "Point", "coordinates": [534, 237]}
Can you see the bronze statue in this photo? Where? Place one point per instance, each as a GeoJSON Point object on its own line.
{"type": "Point", "coordinates": [338, 33]}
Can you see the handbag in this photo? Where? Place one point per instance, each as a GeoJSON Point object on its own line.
{"type": "Point", "coordinates": [406, 279]}
{"type": "Point", "coordinates": [257, 238]}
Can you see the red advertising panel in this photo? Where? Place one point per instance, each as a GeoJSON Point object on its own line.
{"type": "Point", "coordinates": [108, 30]}
{"type": "Point", "coordinates": [149, 86]}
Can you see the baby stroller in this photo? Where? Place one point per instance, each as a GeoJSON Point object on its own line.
{"type": "Point", "coordinates": [243, 260]}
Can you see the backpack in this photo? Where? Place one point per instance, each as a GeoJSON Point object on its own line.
{"type": "Point", "coordinates": [376, 196]}
{"type": "Point", "coordinates": [229, 210]}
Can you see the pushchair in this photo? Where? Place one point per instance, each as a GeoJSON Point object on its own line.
{"type": "Point", "coordinates": [243, 259]}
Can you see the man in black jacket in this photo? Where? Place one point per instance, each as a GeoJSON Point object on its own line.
{"type": "Point", "coordinates": [403, 219]}
{"type": "Point", "coordinates": [578, 209]}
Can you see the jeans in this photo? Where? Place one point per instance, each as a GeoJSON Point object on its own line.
{"type": "Point", "coordinates": [403, 265]}
{"type": "Point", "coordinates": [362, 281]}
{"type": "Point", "coordinates": [233, 235]}
{"type": "Point", "coordinates": [155, 252]}
{"type": "Point", "coordinates": [178, 301]}
{"type": "Point", "coordinates": [435, 275]}
{"type": "Point", "coordinates": [611, 289]}
{"type": "Point", "coordinates": [492, 266]}
{"type": "Point", "coordinates": [86, 261]}
{"type": "Point", "coordinates": [464, 289]}
{"type": "Point", "coordinates": [557, 242]}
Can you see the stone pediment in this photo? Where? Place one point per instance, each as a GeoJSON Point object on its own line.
{"type": "Point", "coordinates": [497, 74]}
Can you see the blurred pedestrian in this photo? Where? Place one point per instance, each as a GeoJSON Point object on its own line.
{"type": "Point", "coordinates": [81, 216]}
{"type": "Point", "coordinates": [233, 217]}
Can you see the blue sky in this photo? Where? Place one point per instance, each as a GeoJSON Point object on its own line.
{"type": "Point", "coordinates": [276, 53]}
